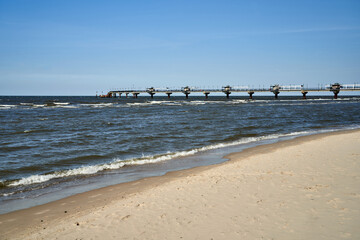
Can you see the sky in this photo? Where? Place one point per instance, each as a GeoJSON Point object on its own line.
{"type": "Point", "coordinates": [80, 47]}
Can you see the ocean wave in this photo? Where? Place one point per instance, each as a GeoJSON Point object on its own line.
{"type": "Point", "coordinates": [311, 102]}
{"type": "Point", "coordinates": [97, 105]}
{"type": "Point", "coordinates": [150, 103]}
{"type": "Point", "coordinates": [239, 101]}
{"type": "Point", "coordinates": [184, 103]}
{"type": "Point", "coordinates": [195, 103]}
{"type": "Point", "coordinates": [119, 163]}
{"type": "Point", "coordinates": [48, 104]}
{"type": "Point", "coordinates": [65, 106]}
{"type": "Point", "coordinates": [39, 105]}
{"type": "Point", "coordinates": [7, 106]}
{"type": "Point", "coordinates": [7, 194]}
{"type": "Point", "coordinates": [61, 103]}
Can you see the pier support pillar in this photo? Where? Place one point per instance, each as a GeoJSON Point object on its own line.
{"type": "Point", "coordinates": [275, 89]}
{"type": "Point", "coordinates": [119, 95]}
{"type": "Point", "coordinates": [151, 91]}
{"type": "Point", "coordinates": [126, 95]}
{"type": "Point", "coordinates": [135, 95]}
{"type": "Point", "coordinates": [250, 94]}
{"type": "Point", "coordinates": [227, 91]}
{"type": "Point", "coordinates": [168, 94]}
{"type": "Point", "coordinates": [304, 94]}
{"type": "Point", "coordinates": [335, 88]}
{"type": "Point", "coordinates": [186, 90]}
{"type": "Point", "coordinates": [206, 94]}
{"type": "Point", "coordinates": [114, 95]}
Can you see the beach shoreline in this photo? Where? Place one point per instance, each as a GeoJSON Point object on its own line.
{"type": "Point", "coordinates": [62, 215]}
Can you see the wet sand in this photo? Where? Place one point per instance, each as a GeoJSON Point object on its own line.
{"type": "Point", "coordinates": [306, 188]}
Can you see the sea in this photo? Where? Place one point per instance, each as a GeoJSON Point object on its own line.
{"type": "Point", "coordinates": [52, 147]}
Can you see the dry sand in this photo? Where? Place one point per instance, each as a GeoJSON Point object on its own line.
{"type": "Point", "coordinates": [306, 188]}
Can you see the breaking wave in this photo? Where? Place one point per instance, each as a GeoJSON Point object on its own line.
{"type": "Point", "coordinates": [119, 163]}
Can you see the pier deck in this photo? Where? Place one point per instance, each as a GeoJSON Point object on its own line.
{"type": "Point", "coordinates": [227, 90]}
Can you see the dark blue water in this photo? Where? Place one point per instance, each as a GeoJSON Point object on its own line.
{"type": "Point", "coordinates": [61, 144]}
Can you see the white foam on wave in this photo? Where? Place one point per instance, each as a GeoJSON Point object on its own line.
{"type": "Point", "coordinates": [97, 105]}
{"type": "Point", "coordinates": [137, 104]}
{"type": "Point", "coordinates": [7, 106]}
{"type": "Point", "coordinates": [184, 103]}
{"type": "Point", "coordinates": [238, 101]}
{"type": "Point", "coordinates": [66, 106]}
{"type": "Point", "coordinates": [6, 194]}
{"type": "Point", "coordinates": [119, 163]}
{"type": "Point", "coordinates": [167, 103]}
{"type": "Point", "coordinates": [159, 102]}
{"type": "Point", "coordinates": [53, 105]}
{"type": "Point", "coordinates": [348, 99]}
{"type": "Point", "coordinates": [195, 103]}
{"type": "Point", "coordinates": [39, 105]}
{"type": "Point", "coordinates": [61, 103]}
{"type": "Point", "coordinates": [150, 103]}
{"type": "Point", "coordinates": [311, 102]}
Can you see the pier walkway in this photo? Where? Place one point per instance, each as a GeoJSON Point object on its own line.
{"type": "Point", "coordinates": [227, 90]}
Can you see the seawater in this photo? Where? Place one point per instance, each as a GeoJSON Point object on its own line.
{"type": "Point", "coordinates": [52, 147]}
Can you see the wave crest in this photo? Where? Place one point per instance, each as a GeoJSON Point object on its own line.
{"type": "Point", "coordinates": [119, 163]}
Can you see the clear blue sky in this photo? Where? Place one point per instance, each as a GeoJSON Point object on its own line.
{"type": "Point", "coordinates": [74, 47]}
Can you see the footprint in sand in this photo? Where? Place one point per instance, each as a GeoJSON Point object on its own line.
{"type": "Point", "coordinates": [126, 217]}
{"type": "Point", "coordinates": [94, 196]}
{"type": "Point", "coordinates": [42, 212]}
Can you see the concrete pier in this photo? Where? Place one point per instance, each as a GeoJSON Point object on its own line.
{"type": "Point", "coordinates": [227, 90]}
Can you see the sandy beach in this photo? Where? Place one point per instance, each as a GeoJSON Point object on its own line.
{"type": "Point", "coordinates": [306, 188]}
